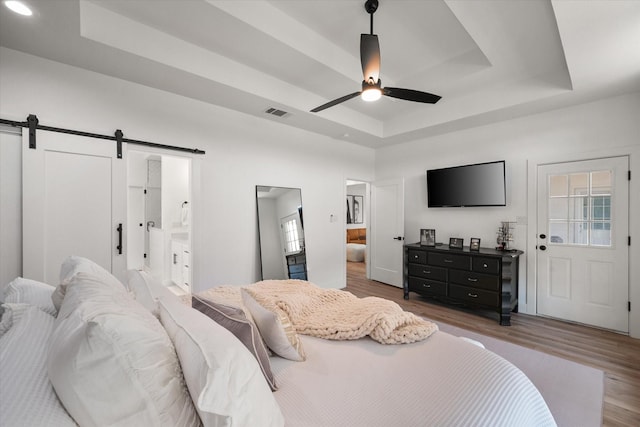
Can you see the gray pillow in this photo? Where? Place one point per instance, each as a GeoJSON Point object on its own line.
{"type": "Point", "coordinates": [235, 321]}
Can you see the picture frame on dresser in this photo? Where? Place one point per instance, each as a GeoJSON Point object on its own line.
{"type": "Point", "coordinates": [456, 243]}
{"type": "Point", "coordinates": [474, 245]}
{"type": "Point", "coordinates": [428, 237]}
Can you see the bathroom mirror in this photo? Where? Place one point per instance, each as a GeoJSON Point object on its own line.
{"type": "Point", "coordinates": [281, 233]}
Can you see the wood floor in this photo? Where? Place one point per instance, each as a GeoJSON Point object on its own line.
{"type": "Point", "coordinates": [617, 355]}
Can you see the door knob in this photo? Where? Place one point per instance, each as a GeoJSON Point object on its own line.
{"type": "Point", "coordinates": [543, 248]}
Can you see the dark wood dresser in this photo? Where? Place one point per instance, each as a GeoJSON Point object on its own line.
{"type": "Point", "coordinates": [486, 278]}
{"type": "Point", "coordinates": [297, 266]}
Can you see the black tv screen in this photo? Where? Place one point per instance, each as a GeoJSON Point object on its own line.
{"type": "Point", "coordinates": [481, 184]}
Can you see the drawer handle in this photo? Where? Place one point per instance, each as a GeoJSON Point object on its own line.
{"type": "Point", "coordinates": [473, 295]}
{"type": "Point", "coordinates": [426, 286]}
{"type": "Point", "coordinates": [426, 271]}
{"type": "Point", "coordinates": [416, 257]}
{"type": "Point", "coordinates": [471, 279]}
{"type": "Point", "coordinates": [485, 266]}
{"type": "Point", "coordinates": [448, 260]}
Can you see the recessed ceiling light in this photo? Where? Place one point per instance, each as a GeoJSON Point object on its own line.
{"type": "Point", "coordinates": [18, 7]}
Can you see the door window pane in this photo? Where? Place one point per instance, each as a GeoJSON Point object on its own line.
{"type": "Point", "coordinates": [558, 232]}
{"type": "Point", "coordinates": [601, 233]}
{"type": "Point", "coordinates": [558, 185]}
{"type": "Point", "coordinates": [559, 208]}
{"type": "Point", "coordinates": [579, 233]}
{"type": "Point", "coordinates": [579, 208]}
{"type": "Point", "coordinates": [601, 208]}
{"type": "Point", "coordinates": [601, 182]}
{"type": "Point", "coordinates": [579, 184]}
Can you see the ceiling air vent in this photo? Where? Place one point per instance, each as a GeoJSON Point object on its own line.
{"type": "Point", "coordinates": [276, 112]}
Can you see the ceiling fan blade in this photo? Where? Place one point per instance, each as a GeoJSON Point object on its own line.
{"type": "Point", "coordinates": [411, 95]}
{"type": "Point", "coordinates": [335, 102]}
{"type": "Point", "coordinates": [370, 57]}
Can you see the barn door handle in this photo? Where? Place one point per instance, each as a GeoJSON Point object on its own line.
{"type": "Point", "coordinates": [119, 247]}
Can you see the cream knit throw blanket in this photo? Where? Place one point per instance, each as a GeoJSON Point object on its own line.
{"type": "Point", "coordinates": [340, 315]}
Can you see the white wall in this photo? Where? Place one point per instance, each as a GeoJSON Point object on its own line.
{"type": "Point", "coordinates": [607, 127]}
{"type": "Point", "coordinates": [242, 152]}
{"type": "Point", "coordinates": [11, 203]}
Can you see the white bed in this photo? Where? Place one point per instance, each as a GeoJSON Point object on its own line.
{"type": "Point", "coordinates": [442, 381]}
{"type": "Point", "coordinates": [215, 375]}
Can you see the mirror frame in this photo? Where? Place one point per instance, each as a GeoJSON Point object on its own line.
{"type": "Point", "coordinates": [294, 263]}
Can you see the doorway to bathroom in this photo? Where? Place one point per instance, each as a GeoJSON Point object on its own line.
{"type": "Point", "coordinates": [159, 198]}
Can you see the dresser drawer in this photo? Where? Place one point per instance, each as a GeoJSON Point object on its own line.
{"type": "Point", "coordinates": [427, 287]}
{"type": "Point", "coordinates": [475, 280]}
{"type": "Point", "coordinates": [486, 265]}
{"type": "Point", "coordinates": [428, 272]}
{"type": "Point", "coordinates": [474, 296]}
{"type": "Point", "coordinates": [296, 268]}
{"type": "Point", "coordinates": [418, 257]}
{"type": "Point", "coordinates": [450, 260]}
{"type": "Point", "coordinates": [296, 259]}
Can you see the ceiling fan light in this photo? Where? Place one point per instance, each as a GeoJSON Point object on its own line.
{"type": "Point", "coordinates": [371, 94]}
{"type": "Point", "coordinates": [18, 7]}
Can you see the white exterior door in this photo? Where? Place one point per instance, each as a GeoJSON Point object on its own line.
{"type": "Point", "coordinates": [74, 199]}
{"type": "Point", "coordinates": [387, 229]}
{"type": "Point", "coordinates": [583, 253]}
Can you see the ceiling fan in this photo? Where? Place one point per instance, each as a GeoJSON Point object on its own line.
{"type": "Point", "coordinates": [372, 88]}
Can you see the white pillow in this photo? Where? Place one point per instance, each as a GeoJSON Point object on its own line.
{"type": "Point", "coordinates": [32, 292]}
{"type": "Point", "coordinates": [223, 377]}
{"type": "Point", "coordinates": [275, 328]}
{"type": "Point", "coordinates": [74, 265]}
{"type": "Point", "coordinates": [111, 362]}
{"type": "Point", "coordinates": [26, 395]}
{"type": "Point", "coordinates": [146, 290]}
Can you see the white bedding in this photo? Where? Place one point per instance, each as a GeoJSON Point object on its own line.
{"type": "Point", "coordinates": [355, 252]}
{"type": "Point", "coordinates": [442, 381]}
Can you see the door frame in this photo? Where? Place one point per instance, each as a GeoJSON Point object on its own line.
{"type": "Point", "coordinates": [194, 202]}
{"type": "Point", "coordinates": [343, 220]}
{"type": "Point", "coordinates": [528, 305]}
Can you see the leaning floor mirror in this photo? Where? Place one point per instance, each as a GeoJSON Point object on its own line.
{"type": "Point", "coordinates": [281, 233]}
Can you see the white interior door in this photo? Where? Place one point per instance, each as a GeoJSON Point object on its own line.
{"type": "Point", "coordinates": [74, 198]}
{"type": "Point", "coordinates": [583, 253]}
{"type": "Point", "coordinates": [387, 231]}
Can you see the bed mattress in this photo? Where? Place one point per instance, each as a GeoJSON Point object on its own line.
{"type": "Point", "coordinates": [442, 381]}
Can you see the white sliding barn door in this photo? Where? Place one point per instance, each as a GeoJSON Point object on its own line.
{"type": "Point", "coordinates": [73, 201]}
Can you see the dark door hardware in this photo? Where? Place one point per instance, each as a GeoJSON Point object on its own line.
{"type": "Point", "coordinates": [119, 247]}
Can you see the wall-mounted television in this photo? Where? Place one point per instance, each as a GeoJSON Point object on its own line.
{"type": "Point", "coordinates": [481, 184]}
